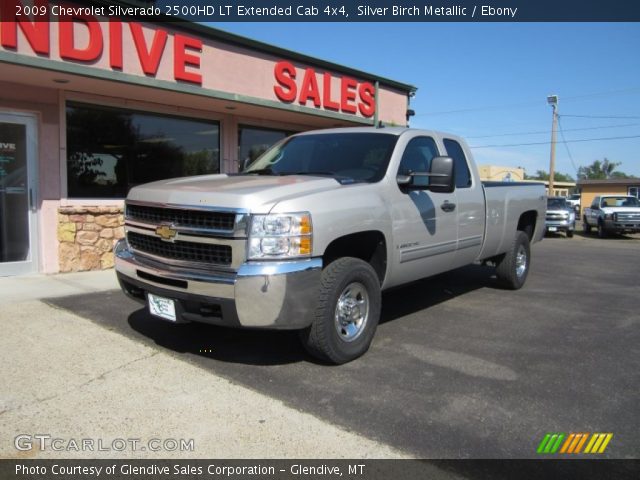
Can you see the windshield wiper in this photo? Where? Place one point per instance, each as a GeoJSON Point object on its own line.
{"type": "Point", "coordinates": [260, 171]}
{"type": "Point", "coordinates": [341, 179]}
{"type": "Point", "coordinates": [317, 172]}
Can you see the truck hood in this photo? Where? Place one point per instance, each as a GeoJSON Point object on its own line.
{"type": "Point", "coordinates": [560, 210]}
{"type": "Point", "coordinates": [609, 210]}
{"type": "Point", "coordinates": [251, 192]}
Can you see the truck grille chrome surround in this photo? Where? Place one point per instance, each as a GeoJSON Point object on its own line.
{"type": "Point", "coordinates": [186, 236]}
{"type": "Point", "coordinates": [628, 217]}
{"type": "Point", "coordinates": [200, 219]}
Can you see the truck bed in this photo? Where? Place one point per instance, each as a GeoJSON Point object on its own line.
{"type": "Point", "coordinates": [505, 203]}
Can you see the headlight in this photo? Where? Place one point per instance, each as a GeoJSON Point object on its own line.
{"type": "Point", "coordinates": [572, 216]}
{"type": "Point", "coordinates": [608, 216]}
{"type": "Point", "coordinates": [283, 235]}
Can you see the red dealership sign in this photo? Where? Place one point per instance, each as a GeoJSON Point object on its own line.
{"type": "Point", "coordinates": [304, 87]}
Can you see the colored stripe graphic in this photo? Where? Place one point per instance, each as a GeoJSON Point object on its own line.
{"type": "Point", "coordinates": [573, 443]}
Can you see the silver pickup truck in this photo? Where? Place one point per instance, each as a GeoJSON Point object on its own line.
{"type": "Point", "coordinates": [309, 235]}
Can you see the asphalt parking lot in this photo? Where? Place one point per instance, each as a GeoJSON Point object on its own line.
{"type": "Point", "coordinates": [459, 368]}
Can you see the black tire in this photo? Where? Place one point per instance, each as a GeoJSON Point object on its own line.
{"type": "Point", "coordinates": [602, 232]}
{"type": "Point", "coordinates": [569, 233]}
{"type": "Point", "coordinates": [511, 271]}
{"type": "Point", "coordinates": [586, 226]}
{"type": "Point", "coordinates": [340, 341]}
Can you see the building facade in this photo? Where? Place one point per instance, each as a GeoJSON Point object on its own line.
{"type": "Point", "coordinates": [516, 174]}
{"type": "Point", "coordinates": [91, 106]}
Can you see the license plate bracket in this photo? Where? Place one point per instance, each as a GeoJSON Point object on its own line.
{"type": "Point", "coordinates": [162, 307]}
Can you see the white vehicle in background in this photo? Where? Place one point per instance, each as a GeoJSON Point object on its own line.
{"type": "Point", "coordinates": [612, 214]}
{"type": "Point", "coordinates": [574, 201]}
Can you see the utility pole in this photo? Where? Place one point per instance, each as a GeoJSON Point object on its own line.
{"type": "Point", "coordinates": [553, 101]}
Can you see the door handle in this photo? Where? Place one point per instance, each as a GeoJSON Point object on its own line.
{"type": "Point", "coordinates": [448, 206]}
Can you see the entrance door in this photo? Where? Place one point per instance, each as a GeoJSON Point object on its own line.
{"type": "Point", "coordinates": [18, 227]}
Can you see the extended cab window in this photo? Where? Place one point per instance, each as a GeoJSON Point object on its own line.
{"type": "Point", "coordinates": [461, 168]}
{"type": "Point", "coordinates": [595, 203]}
{"type": "Point", "coordinates": [417, 157]}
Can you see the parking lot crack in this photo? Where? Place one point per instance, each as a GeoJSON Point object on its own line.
{"type": "Point", "coordinates": [101, 376]}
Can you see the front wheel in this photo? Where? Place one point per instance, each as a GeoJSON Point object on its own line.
{"type": "Point", "coordinates": [347, 312]}
{"type": "Point", "coordinates": [602, 233]}
{"type": "Point", "coordinates": [569, 233]}
{"type": "Point", "coordinates": [586, 226]}
{"type": "Point", "coordinates": [513, 268]}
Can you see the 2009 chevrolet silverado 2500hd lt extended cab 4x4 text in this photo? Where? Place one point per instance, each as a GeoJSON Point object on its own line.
{"type": "Point", "coordinates": [309, 234]}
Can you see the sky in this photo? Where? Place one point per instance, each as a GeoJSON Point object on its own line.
{"type": "Point", "coordinates": [489, 82]}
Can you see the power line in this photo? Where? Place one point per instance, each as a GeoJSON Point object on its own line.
{"type": "Point", "coordinates": [532, 103]}
{"type": "Point", "coordinates": [600, 116]}
{"type": "Point", "coordinates": [481, 109]}
{"type": "Point", "coordinates": [547, 143]}
{"type": "Point", "coordinates": [539, 132]}
{"type": "Point", "coordinates": [566, 146]}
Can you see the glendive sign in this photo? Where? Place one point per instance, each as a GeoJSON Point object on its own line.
{"type": "Point", "coordinates": [186, 49]}
{"type": "Point", "coordinates": [290, 85]}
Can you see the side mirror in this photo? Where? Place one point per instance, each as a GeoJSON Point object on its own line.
{"type": "Point", "coordinates": [438, 179]}
{"type": "Point", "coordinates": [441, 175]}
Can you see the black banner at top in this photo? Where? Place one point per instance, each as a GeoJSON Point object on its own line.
{"type": "Point", "coordinates": [340, 10]}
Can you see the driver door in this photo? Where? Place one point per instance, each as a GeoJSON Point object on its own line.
{"type": "Point", "coordinates": [425, 223]}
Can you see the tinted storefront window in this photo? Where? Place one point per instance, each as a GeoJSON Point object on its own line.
{"type": "Point", "coordinates": [111, 150]}
{"type": "Point", "coordinates": [254, 141]}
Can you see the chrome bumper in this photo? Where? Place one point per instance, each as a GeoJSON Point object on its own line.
{"type": "Point", "coordinates": [277, 295]}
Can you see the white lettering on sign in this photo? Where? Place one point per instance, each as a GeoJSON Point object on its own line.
{"type": "Point", "coordinates": [7, 146]}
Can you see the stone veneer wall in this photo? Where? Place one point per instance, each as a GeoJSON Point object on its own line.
{"type": "Point", "coordinates": [86, 237]}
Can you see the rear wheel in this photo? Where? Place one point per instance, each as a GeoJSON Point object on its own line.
{"type": "Point", "coordinates": [347, 312]}
{"type": "Point", "coordinates": [513, 268]}
{"type": "Point", "coordinates": [585, 225]}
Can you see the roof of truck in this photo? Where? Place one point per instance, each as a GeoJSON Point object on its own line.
{"type": "Point", "coordinates": [381, 130]}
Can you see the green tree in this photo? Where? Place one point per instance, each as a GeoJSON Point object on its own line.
{"type": "Point", "coordinates": [600, 170]}
{"type": "Point", "coordinates": [543, 175]}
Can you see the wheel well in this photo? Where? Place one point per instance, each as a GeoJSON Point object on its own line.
{"type": "Point", "coordinates": [369, 246]}
{"type": "Point", "coordinates": [527, 222]}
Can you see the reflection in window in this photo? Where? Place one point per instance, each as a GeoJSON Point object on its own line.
{"type": "Point", "coordinates": [417, 158]}
{"type": "Point", "coordinates": [254, 141]}
{"type": "Point", "coordinates": [111, 150]}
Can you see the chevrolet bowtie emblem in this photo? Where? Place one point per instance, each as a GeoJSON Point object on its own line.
{"type": "Point", "coordinates": [165, 232]}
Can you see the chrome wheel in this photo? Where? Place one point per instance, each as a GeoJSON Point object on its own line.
{"type": "Point", "coordinates": [352, 312]}
{"type": "Point", "coordinates": [521, 261]}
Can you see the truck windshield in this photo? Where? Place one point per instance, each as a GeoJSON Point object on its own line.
{"type": "Point", "coordinates": [556, 203]}
{"type": "Point", "coordinates": [620, 202]}
{"type": "Point", "coordinates": [357, 157]}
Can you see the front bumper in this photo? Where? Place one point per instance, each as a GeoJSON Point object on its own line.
{"type": "Point", "coordinates": [275, 295]}
{"type": "Point", "coordinates": [560, 225]}
{"type": "Point", "coordinates": [621, 226]}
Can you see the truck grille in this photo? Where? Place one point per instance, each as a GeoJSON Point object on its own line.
{"type": "Point", "coordinates": [183, 218]}
{"type": "Point", "coordinates": [631, 217]}
{"type": "Point", "coordinates": [183, 251]}
{"type": "Point", "coordinates": [557, 216]}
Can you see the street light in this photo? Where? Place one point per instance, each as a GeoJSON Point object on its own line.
{"type": "Point", "coordinates": [553, 101]}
